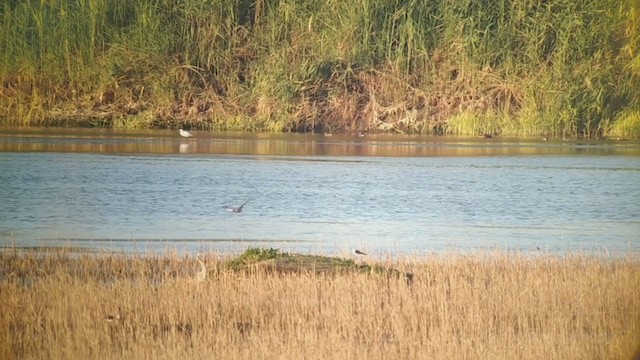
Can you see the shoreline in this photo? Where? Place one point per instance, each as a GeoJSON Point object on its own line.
{"type": "Point", "coordinates": [61, 128]}
{"type": "Point", "coordinates": [411, 257]}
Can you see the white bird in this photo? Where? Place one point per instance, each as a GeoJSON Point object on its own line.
{"type": "Point", "coordinates": [202, 274]}
{"type": "Point", "coordinates": [358, 252]}
{"type": "Point", "coordinates": [185, 133]}
{"type": "Point", "coordinates": [238, 209]}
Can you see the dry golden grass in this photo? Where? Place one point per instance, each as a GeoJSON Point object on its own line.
{"type": "Point", "coordinates": [479, 306]}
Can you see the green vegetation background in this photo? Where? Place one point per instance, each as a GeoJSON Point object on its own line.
{"type": "Point", "coordinates": [559, 68]}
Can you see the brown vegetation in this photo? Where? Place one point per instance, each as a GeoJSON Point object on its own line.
{"type": "Point", "coordinates": [487, 306]}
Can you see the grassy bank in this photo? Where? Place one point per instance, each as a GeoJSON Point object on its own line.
{"type": "Point", "coordinates": [511, 68]}
{"type": "Point", "coordinates": [491, 305]}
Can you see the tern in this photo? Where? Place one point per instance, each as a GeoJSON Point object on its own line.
{"type": "Point", "coordinates": [238, 209]}
{"type": "Point", "coordinates": [185, 133]}
{"type": "Point", "coordinates": [358, 252]}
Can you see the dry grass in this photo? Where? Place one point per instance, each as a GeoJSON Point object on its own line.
{"type": "Point", "coordinates": [487, 306]}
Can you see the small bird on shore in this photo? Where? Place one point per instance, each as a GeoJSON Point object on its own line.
{"type": "Point", "coordinates": [238, 209]}
{"type": "Point", "coordinates": [185, 133]}
{"type": "Point", "coordinates": [358, 252]}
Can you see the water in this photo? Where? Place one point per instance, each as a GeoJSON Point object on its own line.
{"type": "Point", "coordinates": [306, 195]}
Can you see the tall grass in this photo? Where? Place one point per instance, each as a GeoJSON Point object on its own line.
{"type": "Point", "coordinates": [543, 68]}
{"type": "Point", "coordinates": [494, 305]}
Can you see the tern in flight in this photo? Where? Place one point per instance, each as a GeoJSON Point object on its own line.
{"type": "Point", "coordinates": [238, 209]}
{"type": "Point", "coordinates": [185, 133]}
{"type": "Point", "coordinates": [358, 252]}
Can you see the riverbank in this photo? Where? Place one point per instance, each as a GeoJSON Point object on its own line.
{"type": "Point", "coordinates": [516, 68]}
{"type": "Point", "coordinates": [482, 305]}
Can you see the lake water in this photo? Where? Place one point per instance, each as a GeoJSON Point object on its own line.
{"type": "Point", "coordinates": [152, 191]}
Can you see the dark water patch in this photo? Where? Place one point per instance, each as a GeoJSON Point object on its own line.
{"type": "Point", "coordinates": [172, 241]}
{"type": "Point", "coordinates": [169, 142]}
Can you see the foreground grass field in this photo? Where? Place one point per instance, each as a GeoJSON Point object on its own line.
{"type": "Point", "coordinates": [480, 306]}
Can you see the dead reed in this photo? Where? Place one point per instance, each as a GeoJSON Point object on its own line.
{"type": "Point", "coordinates": [488, 306]}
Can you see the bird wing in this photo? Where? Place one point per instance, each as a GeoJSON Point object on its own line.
{"type": "Point", "coordinates": [239, 208]}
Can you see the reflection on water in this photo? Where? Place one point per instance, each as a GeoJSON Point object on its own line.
{"type": "Point", "coordinates": [170, 142]}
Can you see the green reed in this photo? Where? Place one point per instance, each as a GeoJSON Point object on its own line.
{"type": "Point", "coordinates": [517, 67]}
